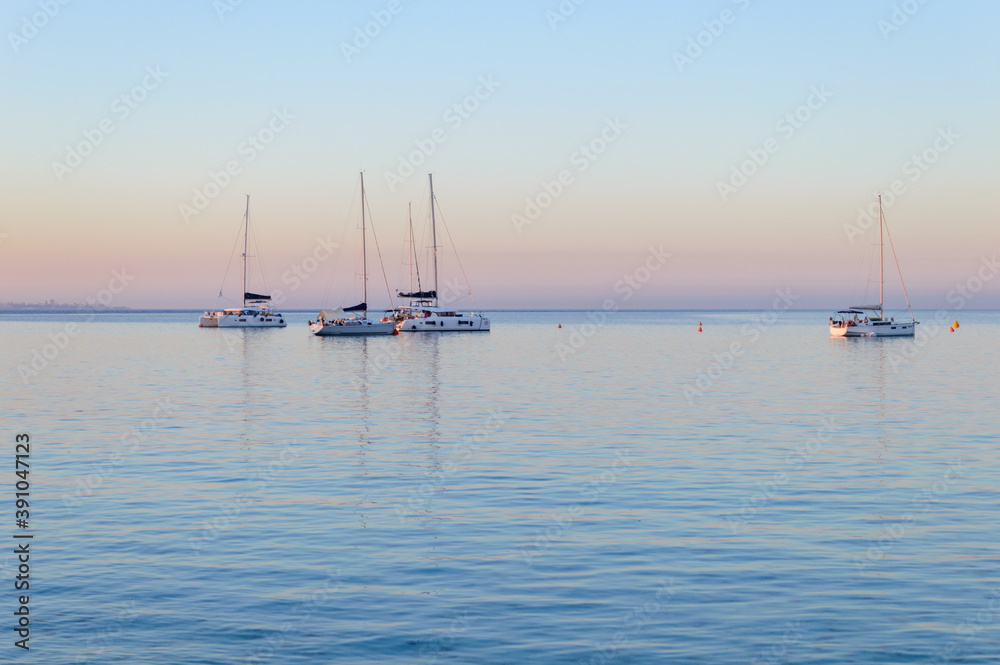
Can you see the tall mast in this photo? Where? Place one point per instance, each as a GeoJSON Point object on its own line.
{"type": "Point", "coordinates": [246, 229]}
{"type": "Point", "coordinates": [409, 214]}
{"type": "Point", "coordinates": [881, 274]}
{"type": "Point", "coordinates": [412, 254]}
{"type": "Point", "coordinates": [430, 178]}
{"type": "Point", "coordinates": [364, 253]}
{"type": "Point", "coordinates": [414, 261]}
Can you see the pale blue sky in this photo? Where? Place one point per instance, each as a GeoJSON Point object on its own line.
{"type": "Point", "coordinates": [656, 184]}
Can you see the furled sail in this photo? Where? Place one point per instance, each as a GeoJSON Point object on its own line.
{"type": "Point", "coordinates": [361, 307]}
{"type": "Point", "coordinates": [255, 296]}
{"type": "Point", "coordinates": [418, 294]}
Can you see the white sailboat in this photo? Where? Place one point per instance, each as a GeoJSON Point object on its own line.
{"type": "Point", "coordinates": [425, 313]}
{"type": "Point", "coordinates": [256, 311]}
{"type": "Point", "coordinates": [354, 321]}
{"type": "Point", "coordinates": [854, 322]}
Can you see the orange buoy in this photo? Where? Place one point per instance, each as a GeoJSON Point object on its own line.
{"type": "Point", "coordinates": [955, 325]}
{"type": "Point", "coordinates": [951, 330]}
{"type": "Point", "coordinates": [699, 327]}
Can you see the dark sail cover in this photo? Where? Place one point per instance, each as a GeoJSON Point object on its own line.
{"type": "Point", "coordinates": [357, 308]}
{"type": "Point", "coordinates": [255, 296]}
{"type": "Point", "coordinates": [418, 294]}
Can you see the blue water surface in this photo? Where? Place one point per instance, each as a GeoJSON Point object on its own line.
{"type": "Point", "coordinates": [620, 489]}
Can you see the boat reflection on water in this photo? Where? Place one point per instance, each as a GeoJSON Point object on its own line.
{"type": "Point", "coordinates": [380, 361]}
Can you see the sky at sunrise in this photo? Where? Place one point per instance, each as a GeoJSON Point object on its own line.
{"type": "Point", "coordinates": [710, 153]}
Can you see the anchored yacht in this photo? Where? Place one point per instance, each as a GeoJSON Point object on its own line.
{"type": "Point", "coordinates": [854, 322]}
{"type": "Point", "coordinates": [424, 313]}
{"type": "Point", "coordinates": [354, 321]}
{"type": "Point", "coordinates": [256, 311]}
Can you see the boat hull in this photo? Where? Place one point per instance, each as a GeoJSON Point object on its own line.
{"type": "Point", "coordinates": [238, 321]}
{"type": "Point", "coordinates": [352, 329]}
{"type": "Point", "coordinates": [463, 323]}
{"type": "Point", "coordinates": [230, 321]}
{"type": "Point", "coordinates": [259, 323]}
{"type": "Point", "coordinates": [888, 329]}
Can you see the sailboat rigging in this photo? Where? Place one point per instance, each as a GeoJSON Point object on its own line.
{"type": "Point", "coordinates": [854, 322]}
{"type": "Point", "coordinates": [337, 322]}
{"type": "Point", "coordinates": [425, 313]}
{"type": "Point", "coordinates": [256, 311]}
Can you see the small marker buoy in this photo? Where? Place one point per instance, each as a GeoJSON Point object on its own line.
{"type": "Point", "coordinates": [395, 331]}
{"type": "Point", "coordinates": [955, 325]}
{"type": "Point", "coordinates": [951, 330]}
{"type": "Point", "coordinates": [699, 328]}
{"type": "Point", "coordinates": [560, 325]}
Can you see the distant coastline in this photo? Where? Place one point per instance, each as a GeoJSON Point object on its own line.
{"type": "Point", "coordinates": [54, 307]}
{"type": "Point", "coordinates": [78, 308]}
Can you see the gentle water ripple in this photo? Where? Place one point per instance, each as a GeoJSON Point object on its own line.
{"type": "Point", "coordinates": [481, 499]}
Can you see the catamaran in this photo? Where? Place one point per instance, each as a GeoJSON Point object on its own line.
{"type": "Point", "coordinates": [425, 313]}
{"type": "Point", "coordinates": [855, 322]}
{"type": "Point", "coordinates": [354, 320]}
{"type": "Point", "coordinates": [256, 311]}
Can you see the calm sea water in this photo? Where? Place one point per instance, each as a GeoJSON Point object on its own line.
{"type": "Point", "coordinates": [625, 490]}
